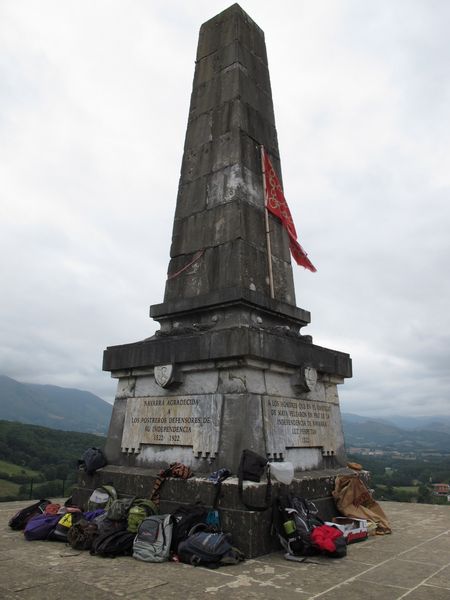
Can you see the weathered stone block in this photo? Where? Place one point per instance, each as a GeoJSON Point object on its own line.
{"type": "Point", "coordinates": [210, 66]}
{"type": "Point", "coordinates": [199, 131]}
{"type": "Point", "coordinates": [235, 263]}
{"type": "Point", "coordinates": [236, 182]}
{"type": "Point", "coordinates": [230, 25]}
{"type": "Point", "coordinates": [113, 446]}
{"type": "Point", "coordinates": [231, 84]}
{"type": "Point", "coordinates": [241, 380]}
{"type": "Point", "coordinates": [278, 384]}
{"type": "Point", "coordinates": [231, 221]}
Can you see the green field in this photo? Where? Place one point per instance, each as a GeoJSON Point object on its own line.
{"type": "Point", "coordinates": [406, 488]}
{"type": "Point", "coordinates": [8, 488]}
{"type": "Point", "coordinates": [401, 488]}
{"type": "Point", "coordinates": [12, 469]}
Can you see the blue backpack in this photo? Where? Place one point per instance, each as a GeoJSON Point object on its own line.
{"type": "Point", "coordinates": [208, 549]}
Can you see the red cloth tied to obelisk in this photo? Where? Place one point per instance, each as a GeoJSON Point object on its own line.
{"type": "Point", "coordinates": [277, 205]}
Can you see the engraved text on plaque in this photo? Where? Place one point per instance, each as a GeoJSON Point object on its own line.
{"type": "Point", "coordinates": [294, 423]}
{"type": "Point", "coordinates": [174, 421]}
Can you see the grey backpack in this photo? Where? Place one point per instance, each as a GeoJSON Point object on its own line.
{"type": "Point", "coordinates": [153, 539]}
{"type": "Point", "coordinates": [102, 497]}
{"type": "Point", "coordinates": [118, 509]}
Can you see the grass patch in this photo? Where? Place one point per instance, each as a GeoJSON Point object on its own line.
{"type": "Point", "coordinates": [12, 469]}
{"type": "Point", "coordinates": [8, 488]}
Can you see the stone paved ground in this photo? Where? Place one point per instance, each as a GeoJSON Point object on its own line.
{"type": "Point", "coordinates": [412, 563]}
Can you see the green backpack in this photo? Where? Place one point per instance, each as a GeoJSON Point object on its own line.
{"type": "Point", "coordinates": [118, 509]}
{"type": "Point", "coordinates": [140, 510]}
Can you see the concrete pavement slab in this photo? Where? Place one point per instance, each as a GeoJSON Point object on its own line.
{"type": "Point", "coordinates": [412, 564]}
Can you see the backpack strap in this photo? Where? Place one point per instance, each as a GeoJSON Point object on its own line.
{"type": "Point", "coordinates": [200, 527]}
{"type": "Point", "coordinates": [268, 496]}
{"type": "Point", "coordinates": [217, 495]}
{"type": "Point", "coordinates": [155, 496]}
{"type": "Point", "coordinates": [174, 470]}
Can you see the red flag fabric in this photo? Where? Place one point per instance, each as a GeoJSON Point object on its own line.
{"type": "Point", "coordinates": [277, 205]}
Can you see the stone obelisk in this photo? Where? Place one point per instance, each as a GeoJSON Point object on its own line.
{"type": "Point", "coordinates": [229, 368]}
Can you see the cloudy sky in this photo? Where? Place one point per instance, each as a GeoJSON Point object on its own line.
{"type": "Point", "coordinates": [94, 97]}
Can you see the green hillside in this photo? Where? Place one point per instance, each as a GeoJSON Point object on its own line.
{"type": "Point", "coordinates": [38, 460]}
{"type": "Point", "coordinates": [53, 406]}
{"type": "Point", "coordinates": [10, 469]}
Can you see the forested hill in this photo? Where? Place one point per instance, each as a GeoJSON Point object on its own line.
{"type": "Point", "coordinates": [53, 406]}
{"type": "Point", "coordinates": [37, 447]}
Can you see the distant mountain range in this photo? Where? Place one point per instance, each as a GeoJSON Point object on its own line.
{"type": "Point", "coordinates": [403, 434]}
{"type": "Point", "coordinates": [53, 406]}
{"type": "Point", "coordinates": [433, 423]}
{"type": "Point", "coordinates": [76, 410]}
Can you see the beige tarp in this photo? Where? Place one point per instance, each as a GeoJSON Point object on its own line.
{"type": "Point", "coordinates": [353, 499]}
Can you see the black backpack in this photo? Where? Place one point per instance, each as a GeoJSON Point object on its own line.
{"type": "Point", "coordinates": [251, 468]}
{"type": "Point", "coordinates": [293, 520]}
{"type": "Point", "coordinates": [92, 459]}
{"type": "Point", "coordinates": [106, 525]}
{"type": "Point", "coordinates": [64, 525]}
{"type": "Point", "coordinates": [110, 545]}
{"type": "Point", "coordinates": [185, 518]}
{"type": "Point", "coordinates": [21, 518]}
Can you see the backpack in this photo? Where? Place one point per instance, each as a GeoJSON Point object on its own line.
{"type": "Point", "coordinates": [64, 523]}
{"type": "Point", "coordinates": [112, 544]}
{"type": "Point", "coordinates": [106, 525]}
{"type": "Point", "coordinates": [118, 509]}
{"type": "Point", "coordinates": [329, 541]}
{"type": "Point", "coordinates": [251, 468]}
{"type": "Point", "coordinates": [102, 497]}
{"type": "Point", "coordinates": [185, 518]}
{"type": "Point", "coordinates": [82, 534]}
{"type": "Point", "coordinates": [92, 459]}
{"type": "Point", "coordinates": [52, 508]}
{"type": "Point", "coordinates": [208, 549]}
{"type": "Point", "coordinates": [21, 518]}
{"type": "Point", "coordinates": [294, 520]}
{"type": "Point", "coordinates": [68, 509]}
{"type": "Point", "coordinates": [152, 541]}
{"type": "Point", "coordinates": [91, 515]}
{"type": "Point", "coordinates": [139, 510]}
{"type": "Point", "coordinates": [40, 527]}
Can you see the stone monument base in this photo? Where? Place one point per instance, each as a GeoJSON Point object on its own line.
{"type": "Point", "coordinates": [251, 530]}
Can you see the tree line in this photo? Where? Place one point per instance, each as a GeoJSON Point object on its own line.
{"type": "Point", "coordinates": [53, 454]}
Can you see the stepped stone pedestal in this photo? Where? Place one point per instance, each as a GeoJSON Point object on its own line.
{"type": "Point", "coordinates": [229, 368]}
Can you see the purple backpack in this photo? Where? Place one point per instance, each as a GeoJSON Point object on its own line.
{"type": "Point", "coordinates": [39, 527]}
{"type": "Point", "coordinates": [90, 515]}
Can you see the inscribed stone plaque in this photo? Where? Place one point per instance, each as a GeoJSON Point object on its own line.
{"type": "Point", "coordinates": [295, 423]}
{"type": "Point", "coordinates": [173, 421]}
